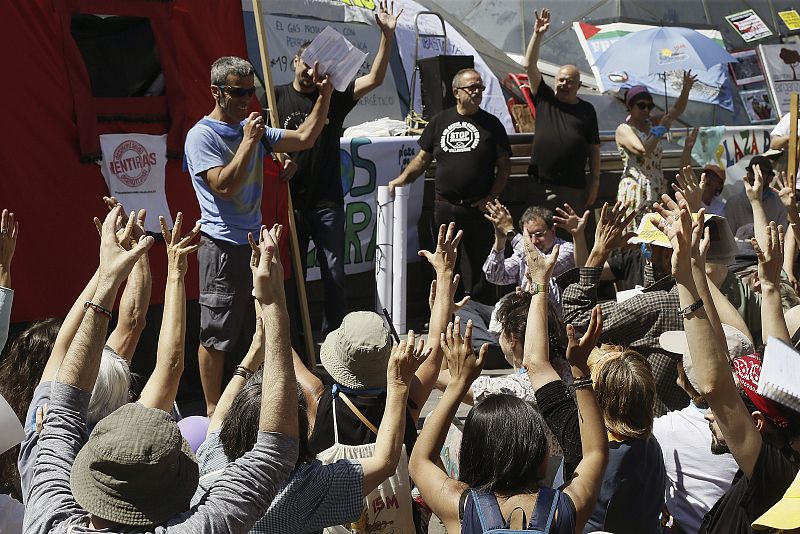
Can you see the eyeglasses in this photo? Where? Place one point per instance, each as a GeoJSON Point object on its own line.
{"type": "Point", "coordinates": [473, 88]}
{"type": "Point", "coordinates": [237, 92]}
{"type": "Point", "coordinates": [538, 234]}
{"type": "Point", "coordinates": [645, 106]}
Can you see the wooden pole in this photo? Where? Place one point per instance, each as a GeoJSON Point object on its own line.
{"type": "Point", "coordinates": [297, 266]}
{"type": "Point", "coordinates": [793, 144]}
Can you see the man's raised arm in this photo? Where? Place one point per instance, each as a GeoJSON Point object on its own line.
{"type": "Point", "coordinates": [531, 61]}
{"type": "Point", "coordinates": [387, 22]}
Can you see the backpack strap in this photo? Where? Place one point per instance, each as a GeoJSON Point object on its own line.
{"type": "Point", "coordinates": [545, 510]}
{"type": "Point", "coordinates": [489, 514]}
{"type": "Point", "coordinates": [358, 413]}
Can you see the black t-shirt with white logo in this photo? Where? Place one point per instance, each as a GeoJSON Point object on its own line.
{"type": "Point", "coordinates": [318, 179]}
{"type": "Point", "coordinates": [564, 133]}
{"type": "Point", "coordinates": [466, 148]}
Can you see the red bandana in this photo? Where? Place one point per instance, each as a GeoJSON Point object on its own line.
{"type": "Point", "coordinates": [748, 370]}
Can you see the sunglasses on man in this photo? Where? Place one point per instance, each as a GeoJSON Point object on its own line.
{"type": "Point", "coordinates": [473, 88]}
{"type": "Point", "coordinates": [237, 92]}
{"type": "Point", "coordinates": [645, 106]}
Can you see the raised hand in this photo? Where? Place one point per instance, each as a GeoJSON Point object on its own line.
{"type": "Point", "coordinates": [137, 231]}
{"type": "Point", "coordinates": [178, 248]}
{"type": "Point", "coordinates": [677, 224]}
{"type": "Point", "coordinates": [446, 248]}
{"type": "Point", "coordinates": [578, 350]}
{"type": "Point", "coordinates": [540, 266]}
{"type": "Point", "coordinates": [116, 262]}
{"type": "Point", "coordinates": [688, 186]}
{"type": "Point", "coordinates": [9, 230]}
{"type": "Point", "coordinates": [265, 263]}
{"type": "Point", "coordinates": [542, 23]}
{"type": "Point", "coordinates": [288, 170]}
{"type": "Point", "coordinates": [500, 217]}
{"type": "Point", "coordinates": [787, 192]}
{"type": "Point", "coordinates": [386, 19]}
{"type": "Point", "coordinates": [691, 137]}
{"type": "Point", "coordinates": [611, 232]}
{"type": "Point", "coordinates": [464, 365]}
{"type": "Point", "coordinates": [453, 287]}
{"type": "Point", "coordinates": [254, 127]}
{"type": "Point", "coordinates": [322, 81]}
{"type": "Point", "coordinates": [405, 360]}
{"type": "Point", "coordinates": [568, 219]}
{"type": "Point", "coordinates": [770, 258]}
{"type": "Point", "coordinates": [755, 191]}
{"type": "Point", "coordinates": [688, 81]}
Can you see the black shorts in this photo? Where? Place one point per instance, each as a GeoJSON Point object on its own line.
{"type": "Point", "coordinates": [226, 292]}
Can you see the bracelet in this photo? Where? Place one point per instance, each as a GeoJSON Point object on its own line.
{"type": "Point", "coordinates": [244, 372]}
{"type": "Point", "coordinates": [691, 308]}
{"type": "Point", "coordinates": [97, 308]}
{"type": "Point", "coordinates": [537, 288]}
{"type": "Point", "coordinates": [583, 382]}
{"type": "Point", "coordinates": [658, 131]}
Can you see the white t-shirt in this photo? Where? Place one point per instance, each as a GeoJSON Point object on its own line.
{"type": "Point", "coordinates": [782, 128]}
{"type": "Point", "coordinates": [696, 478]}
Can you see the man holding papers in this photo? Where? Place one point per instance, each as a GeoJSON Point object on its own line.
{"type": "Point", "coordinates": [316, 184]}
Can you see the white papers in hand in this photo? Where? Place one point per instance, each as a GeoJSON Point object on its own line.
{"type": "Point", "coordinates": [337, 57]}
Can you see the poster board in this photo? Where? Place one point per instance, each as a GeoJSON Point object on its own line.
{"type": "Point", "coordinates": [781, 64]}
{"type": "Point", "coordinates": [748, 25]}
{"type": "Point", "coordinates": [758, 106]}
{"type": "Point", "coordinates": [747, 69]}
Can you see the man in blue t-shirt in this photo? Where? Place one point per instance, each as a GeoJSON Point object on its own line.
{"type": "Point", "coordinates": [225, 151]}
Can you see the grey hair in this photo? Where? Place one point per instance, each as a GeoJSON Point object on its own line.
{"type": "Point", "coordinates": [111, 388]}
{"type": "Point", "coordinates": [460, 74]}
{"type": "Point", "coordinates": [227, 65]}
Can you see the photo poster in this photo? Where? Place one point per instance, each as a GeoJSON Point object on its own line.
{"type": "Point", "coordinates": [709, 88]}
{"type": "Point", "coordinates": [748, 25]}
{"type": "Point", "coordinates": [781, 64]}
{"type": "Point", "coordinates": [758, 106]}
{"type": "Point", "coordinates": [747, 68]}
{"type": "Point", "coordinates": [367, 163]}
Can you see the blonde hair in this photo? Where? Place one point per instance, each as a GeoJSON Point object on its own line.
{"type": "Point", "coordinates": [626, 393]}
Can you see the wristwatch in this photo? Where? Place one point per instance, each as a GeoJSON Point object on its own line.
{"type": "Point", "coordinates": [537, 288]}
{"type": "Point", "coordinates": [510, 234]}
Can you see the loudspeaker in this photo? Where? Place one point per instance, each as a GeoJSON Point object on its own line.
{"type": "Point", "coordinates": [436, 78]}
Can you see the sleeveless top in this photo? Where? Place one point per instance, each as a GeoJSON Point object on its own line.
{"type": "Point", "coordinates": [642, 181]}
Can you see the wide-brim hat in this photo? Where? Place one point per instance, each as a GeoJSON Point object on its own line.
{"type": "Point", "coordinates": [135, 469]}
{"type": "Point", "coordinates": [356, 354]}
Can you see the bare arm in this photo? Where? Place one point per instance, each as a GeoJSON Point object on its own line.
{"type": "Point", "coordinates": [536, 354]}
{"type": "Point", "coordinates": [412, 171]}
{"type": "Point", "coordinates": [627, 139]}
{"type": "Point", "coordinates": [594, 171]}
{"type": "Point", "coordinates": [82, 360]}
{"type": "Point", "coordinates": [770, 263]}
{"type": "Point", "coordinates": [688, 145]}
{"type": "Point", "coordinates": [162, 386]}
{"type": "Point", "coordinates": [584, 486]}
{"type": "Point", "coordinates": [531, 61]}
{"type": "Point", "coordinates": [754, 195]}
{"type": "Point", "coordinates": [279, 392]}
{"type": "Point", "coordinates": [9, 230]}
{"type": "Point", "coordinates": [709, 357]}
{"type": "Point", "coordinates": [304, 137]}
{"type": "Point", "coordinates": [226, 181]}
{"type": "Point", "coordinates": [683, 99]}
{"type": "Point", "coordinates": [778, 142]}
{"type": "Point", "coordinates": [443, 261]}
{"type": "Point", "coordinates": [404, 361]}
{"type": "Point", "coordinates": [442, 493]}
{"type": "Point", "coordinates": [569, 220]}
{"type": "Point", "coordinates": [312, 388]}
{"type": "Point", "coordinates": [252, 361]}
{"type": "Point", "coordinates": [387, 22]}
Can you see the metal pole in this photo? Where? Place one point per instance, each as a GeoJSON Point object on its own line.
{"type": "Point", "coordinates": [297, 266]}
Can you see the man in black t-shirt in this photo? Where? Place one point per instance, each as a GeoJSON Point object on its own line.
{"type": "Point", "coordinates": [566, 134]}
{"type": "Point", "coordinates": [472, 152]}
{"type": "Point", "coordinates": [316, 182]}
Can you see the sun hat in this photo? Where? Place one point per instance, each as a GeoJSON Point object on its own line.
{"type": "Point", "coordinates": [675, 341]}
{"type": "Point", "coordinates": [356, 354]}
{"type": "Point", "coordinates": [135, 469]}
{"type": "Point", "coordinates": [784, 514]}
{"type": "Point", "coordinates": [634, 92]}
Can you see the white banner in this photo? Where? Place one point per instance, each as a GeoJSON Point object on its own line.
{"type": "Point", "coordinates": [133, 166]}
{"type": "Point", "coordinates": [366, 164]}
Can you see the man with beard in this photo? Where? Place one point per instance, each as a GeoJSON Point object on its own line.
{"type": "Point", "coordinates": [315, 174]}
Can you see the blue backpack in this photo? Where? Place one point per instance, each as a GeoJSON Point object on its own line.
{"type": "Point", "coordinates": [490, 519]}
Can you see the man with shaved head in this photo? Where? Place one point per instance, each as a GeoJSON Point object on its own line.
{"type": "Point", "coordinates": [566, 133]}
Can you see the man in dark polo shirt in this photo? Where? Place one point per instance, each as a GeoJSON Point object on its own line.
{"type": "Point", "coordinates": [566, 134]}
{"type": "Point", "coordinates": [472, 152]}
